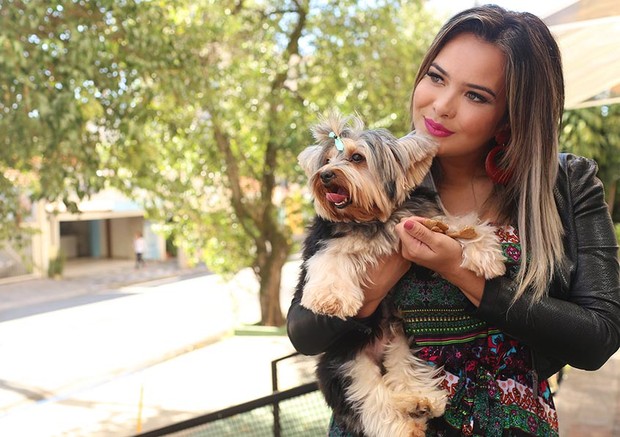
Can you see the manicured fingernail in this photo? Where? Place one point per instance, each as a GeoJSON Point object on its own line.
{"type": "Point", "coordinates": [408, 225]}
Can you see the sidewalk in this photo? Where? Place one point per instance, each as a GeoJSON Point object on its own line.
{"type": "Point", "coordinates": [24, 296]}
{"type": "Point", "coordinates": [588, 403]}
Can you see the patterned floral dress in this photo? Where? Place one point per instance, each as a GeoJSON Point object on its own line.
{"type": "Point", "coordinates": [488, 375]}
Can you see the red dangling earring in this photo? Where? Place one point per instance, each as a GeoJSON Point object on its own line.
{"type": "Point", "coordinates": [498, 175]}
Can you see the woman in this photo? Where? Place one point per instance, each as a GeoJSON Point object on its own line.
{"type": "Point", "coordinates": [490, 91]}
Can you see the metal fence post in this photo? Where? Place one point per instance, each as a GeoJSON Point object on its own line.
{"type": "Point", "coordinates": [276, 405]}
{"type": "Point", "coordinates": [277, 429]}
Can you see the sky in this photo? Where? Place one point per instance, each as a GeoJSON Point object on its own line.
{"type": "Point", "coordinates": [542, 8]}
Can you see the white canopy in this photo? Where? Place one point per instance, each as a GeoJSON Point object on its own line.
{"type": "Point", "coordinates": [588, 33]}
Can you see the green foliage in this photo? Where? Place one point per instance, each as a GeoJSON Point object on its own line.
{"type": "Point", "coordinates": [595, 133]}
{"type": "Point", "coordinates": [56, 265]}
{"type": "Point", "coordinates": [73, 77]}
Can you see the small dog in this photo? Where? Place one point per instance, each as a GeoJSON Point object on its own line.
{"type": "Point", "coordinates": [363, 184]}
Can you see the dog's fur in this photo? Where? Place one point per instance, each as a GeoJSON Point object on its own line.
{"type": "Point", "coordinates": [374, 384]}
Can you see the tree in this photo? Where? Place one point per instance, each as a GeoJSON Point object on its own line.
{"type": "Point", "coordinates": [254, 77]}
{"type": "Point", "coordinates": [199, 108]}
{"type": "Point", "coordinates": [72, 77]}
{"type": "Point", "coordinates": [595, 133]}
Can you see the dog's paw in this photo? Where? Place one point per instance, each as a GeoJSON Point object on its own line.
{"type": "Point", "coordinates": [437, 406]}
{"type": "Point", "coordinates": [419, 407]}
{"type": "Point", "coordinates": [333, 306]}
{"type": "Point", "coordinates": [486, 264]}
{"type": "Point", "coordinates": [416, 428]}
{"type": "Point", "coordinates": [483, 255]}
{"type": "Point", "coordinates": [332, 302]}
{"type": "Point", "coordinates": [495, 268]}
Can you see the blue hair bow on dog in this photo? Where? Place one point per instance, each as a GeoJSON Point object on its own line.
{"type": "Point", "coordinates": [337, 141]}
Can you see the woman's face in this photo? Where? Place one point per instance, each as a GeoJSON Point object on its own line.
{"type": "Point", "coordinates": [461, 101]}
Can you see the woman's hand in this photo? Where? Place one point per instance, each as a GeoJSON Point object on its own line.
{"type": "Point", "coordinates": [432, 250]}
{"type": "Point", "coordinates": [439, 253]}
{"type": "Point", "coordinates": [383, 276]}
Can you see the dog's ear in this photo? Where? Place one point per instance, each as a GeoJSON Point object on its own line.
{"type": "Point", "coordinates": [310, 159]}
{"type": "Point", "coordinates": [415, 153]}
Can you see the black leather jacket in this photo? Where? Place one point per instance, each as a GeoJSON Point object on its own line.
{"type": "Point", "coordinates": [577, 323]}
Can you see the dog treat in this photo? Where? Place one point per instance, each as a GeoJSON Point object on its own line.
{"type": "Point", "coordinates": [435, 225]}
{"type": "Point", "coordinates": [467, 233]}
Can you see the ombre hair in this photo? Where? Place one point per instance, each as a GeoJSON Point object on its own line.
{"type": "Point", "coordinates": [535, 102]}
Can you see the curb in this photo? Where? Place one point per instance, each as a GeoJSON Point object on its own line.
{"type": "Point", "coordinates": [257, 330]}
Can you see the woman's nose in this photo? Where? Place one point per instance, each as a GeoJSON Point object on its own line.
{"type": "Point", "coordinates": [445, 106]}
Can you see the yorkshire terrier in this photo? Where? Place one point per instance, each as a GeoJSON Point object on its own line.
{"type": "Point", "coordinates": [363, 183]}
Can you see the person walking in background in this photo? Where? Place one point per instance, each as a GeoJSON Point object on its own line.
{"type": "Point", "coordinates": [138, 248]}
{"type": "Point", "coordinates": [490, 92]}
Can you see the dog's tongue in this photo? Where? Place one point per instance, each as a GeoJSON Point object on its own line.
{"type": "Point", "coordinates": [335, 197]}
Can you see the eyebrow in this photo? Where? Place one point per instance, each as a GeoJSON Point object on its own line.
{"type": "Point", "coordinates": [472, 85]}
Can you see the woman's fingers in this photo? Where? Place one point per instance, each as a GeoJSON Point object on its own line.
{"type": "Point", "coordinates": [427, 248]}
{"type": "Point", "coordinates": [414, 237]}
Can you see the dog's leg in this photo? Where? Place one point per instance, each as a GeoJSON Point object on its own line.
{"type": "Point", "coordinates": [414, 383]}
{"type": "Point", "coordinates": [334, 284]}
{"type": "Point", "coordinates": [372, 399]}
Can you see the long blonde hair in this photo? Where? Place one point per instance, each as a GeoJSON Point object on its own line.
{"type": "Point", "coordinates": [535, 102]}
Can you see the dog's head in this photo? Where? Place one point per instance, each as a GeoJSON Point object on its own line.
{"type": "Point", "coordinates": [359, 175]}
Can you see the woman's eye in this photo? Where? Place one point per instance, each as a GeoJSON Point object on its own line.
{"type": "Point", "coordinates": [435, 78]}
{"type": "Point", "coordinates": [356, 157]}
{"type": "Point", "coordinates": [475, 97]}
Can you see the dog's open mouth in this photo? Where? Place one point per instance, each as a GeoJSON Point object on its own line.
{"type": "Point", "coordinates": [339, 197]}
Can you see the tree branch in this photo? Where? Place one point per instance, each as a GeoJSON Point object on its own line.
{"type": "Point", "coordinates": [234, 177]}
{"type": "Point", "coordinates": [292, 49]}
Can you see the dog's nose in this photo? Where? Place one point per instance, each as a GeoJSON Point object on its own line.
{"type": "Point", "coordinates": [327, 176]}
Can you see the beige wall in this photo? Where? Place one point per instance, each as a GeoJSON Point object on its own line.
{"type": "Point", "coordinates": [123, 232]}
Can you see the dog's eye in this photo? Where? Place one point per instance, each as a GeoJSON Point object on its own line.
{"type": "Point", "coordinates": [356, 157]}
{"type": "Point", "coordinates": [326, 161]}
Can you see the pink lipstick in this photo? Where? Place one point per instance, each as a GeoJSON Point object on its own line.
{"type": "Point", "coordinates": [436, 129]}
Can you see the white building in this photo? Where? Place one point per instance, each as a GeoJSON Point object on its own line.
{"type": "Point", "coordinates": [104, 228]}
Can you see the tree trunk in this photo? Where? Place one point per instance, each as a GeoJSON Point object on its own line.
{"type": "Point", "coordinates": [270, 279]}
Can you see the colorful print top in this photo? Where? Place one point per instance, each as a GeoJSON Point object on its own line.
{"type": "Point", "coordinates": [492, 388]}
